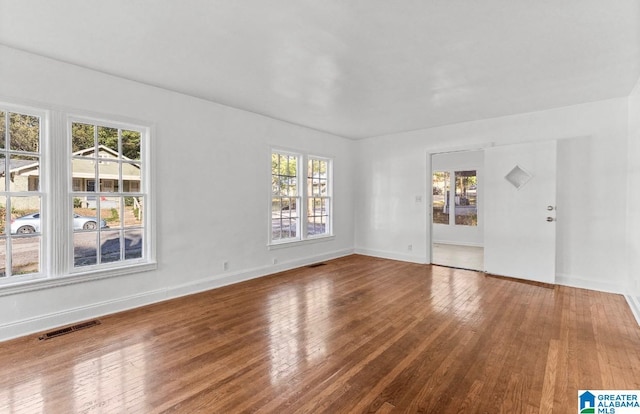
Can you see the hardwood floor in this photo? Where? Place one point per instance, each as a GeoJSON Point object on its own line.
{"type": "Point", "coordinates": [358, 334]}
{"type": "Point", "coordinates": [461, 257]}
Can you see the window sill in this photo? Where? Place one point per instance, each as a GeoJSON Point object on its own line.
{"type": "Point", "coordinates": [52, 282]}
{"type": "Point", "coordinates": [293, 243]}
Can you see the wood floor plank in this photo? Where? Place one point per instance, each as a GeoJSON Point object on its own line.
{"type": "Point", "coordinates": [549, 381]}
{"type": "Point", "coordinates": [358, 334]}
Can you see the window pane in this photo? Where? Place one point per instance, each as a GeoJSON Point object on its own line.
{"type": "Point", "coordinates": [466, 198]}
{"type": "Point", "coordinates": [3, 168]}
{"type": "Point", "coordinates": [25, 215]}
{"type": "Point", "coordinates": [108, 138]}
{"type": "Point", "coordinates": [78, 184]}
{"type": "Point", "coordinates": [317, 215]}
{"type": "Point", "coordinates": [111, 211]}
{"type": "Point", "coordinates": [83, 170]}
{"type": "Point", "coordinates": [25, 256]}
{"type": "Point", "coordinates": [3, 257]}
{"type": "Point", "coordinates": [3, 216]}
{"type": "Point", "coordinates": [82, 139]}
{"type": "Point", "coordinates": [85, 248]}
{"type": "Point", "coordinates": [133, 243]}
{"type": "Point", "coordinates": [317, 177]}
{"type": "Point", "coordinates": [276, 219]}
{"type": "Point", "coordinates": [440, 196]}
{"type": "Point", "coordinates": [24, 133]}
{"type": "Point", "coordinates": [25, 172]}
{"type": "Point", "coordinates": [133, 209]}
{"type": "Point", "coordinates": [284, 218]}
{"type": "Point", "coordinates": [131, 177]}
{"type": "Point", "coordinates": [26, 226]}
{"type": "Point", "coordinates": [110, 246]}
{"type": "Point", "coordinates": [108, 172]}
{"type": "Point", "coordinates": [131, 145]}
{"type": "Point", "coordinates": [3, 128]}
{"type": "Point", "coordinates": [284, 172]}
{"type": "Point", "coordinates": [86, 218]}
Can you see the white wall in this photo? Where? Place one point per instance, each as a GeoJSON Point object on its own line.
{"type": "Point", "coordinates": [591, 249]}
{"type": "Point", "coordinates": [460, 161]}
{"type": "Point", "coordinates": [212, 166]}
{"type": "Point", "coordinates": [633, 205]}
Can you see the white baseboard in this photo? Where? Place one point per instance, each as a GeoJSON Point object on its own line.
{"type": "Point", "coordinates": [69, 316]}
{"type": "Point", "coordinates": [248, 274]}
{"type": "Point", "coordinates": [634, 304]}
{"type": "Point", "coordinates": [577, 282]}
{"type": "Point", "coordinates": [66, 317]}
{"type": "Point", "coordinates": [455, 243]}
{"type": "Point", "coordinates": [391, 255]}
{"type": "Point", "coordinates": [41, 323]}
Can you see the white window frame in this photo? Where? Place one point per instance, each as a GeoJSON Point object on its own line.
{"type": "Point", "coordinates": [44, 256]}
{"type": "Point", "coordinates": [148, 248]}
{"type": "Point", "coordinates": [56, 186]}
{"type": "Point", "coordinates": [329, 196]}
{"type": "Point", "coordinates": [299, 199]}
{"type": "Point", "coordinates": [302, 235]}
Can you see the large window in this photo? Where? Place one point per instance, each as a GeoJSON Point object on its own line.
{"type": "Point", "coordinates": [21, 203]}
{"type": "Point", "coordinates": [108, 206]}
{"type": "Point", "coordinates": [74, 196]}
{"type": "Point", "coordinates": [300, 212]}
{"type": "Point", "coordinates": [318, 198]}
{"type": "Point", "coordinates": [285, 200]}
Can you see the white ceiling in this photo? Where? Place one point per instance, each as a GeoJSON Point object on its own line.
{"type": "Point", "coordinates": [356, 68]}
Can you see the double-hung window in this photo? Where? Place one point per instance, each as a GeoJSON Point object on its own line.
{"type": "Point", "coordinates": [318, 197]}
{"type": "Point", "coordinates": [108, 204]}
{"type": "Point", "coordinates": [300, 197]}
{"type": "Point", "coordinates": [74, 197]}
{"type": "Point", "coordinates": [285, 196]}
{"type": "Point", "coordinates": [21, 199]}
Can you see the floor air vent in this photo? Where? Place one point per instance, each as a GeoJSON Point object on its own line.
{"type": "Point", "coordinates": [316, 265]}
{"type": "Point", "coordinates": [69, 329]}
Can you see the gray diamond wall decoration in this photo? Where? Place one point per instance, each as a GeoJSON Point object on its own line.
{"type": "Point", "coordinates": [518, 177]}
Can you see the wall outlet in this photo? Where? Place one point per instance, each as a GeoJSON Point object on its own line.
{"type": "Point", "coordinates": [274, 261]}
{"type": "Point", "coordinates": [410, 247]}
{"type": "Point", "coordinates": [225, 265]}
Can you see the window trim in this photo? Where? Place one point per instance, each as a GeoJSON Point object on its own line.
{"type": "Point", "coordinates": [303, 237]}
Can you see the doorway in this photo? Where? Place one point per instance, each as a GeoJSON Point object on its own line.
{"type": "Point", "coordinates": [515, 197]}
{"type": "Point", "coordinates": [456, 216]}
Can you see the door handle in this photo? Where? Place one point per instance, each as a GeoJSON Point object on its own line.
{"type": "Point", "coordinates": [550, 219]}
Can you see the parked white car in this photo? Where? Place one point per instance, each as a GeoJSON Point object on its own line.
{"type": "Point", "coordinates": [30, 223]}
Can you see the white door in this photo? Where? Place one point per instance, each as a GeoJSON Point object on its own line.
{"type": "Point", "coordinates": [520, 202]}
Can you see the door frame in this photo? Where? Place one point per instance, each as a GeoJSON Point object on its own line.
{"type": "Point", "coordinates": [429, 174]}
{"type": "Point", "coordinates": [429, 181]}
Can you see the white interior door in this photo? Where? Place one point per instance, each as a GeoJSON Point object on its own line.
{"type": "Point", "coordinates": [520, 203]}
